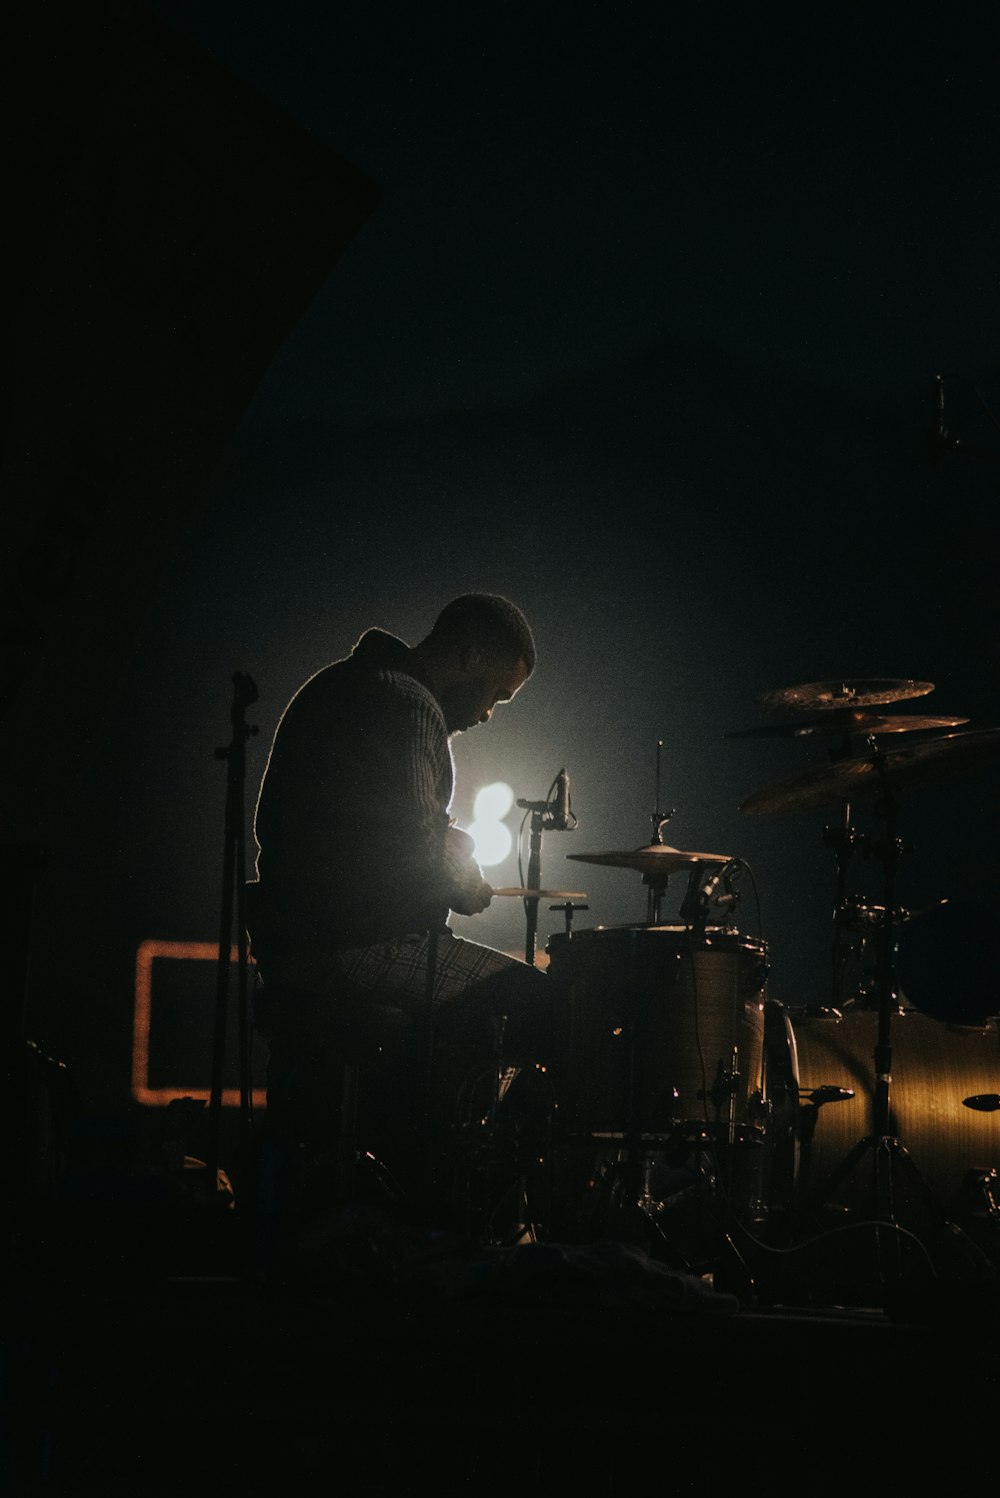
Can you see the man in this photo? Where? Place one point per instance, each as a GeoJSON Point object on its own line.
{"type": "Point", "coordinates": [359, 866]}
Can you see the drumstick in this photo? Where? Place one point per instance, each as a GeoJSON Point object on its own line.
{"type": "Point", "coordinates": [543, 894]}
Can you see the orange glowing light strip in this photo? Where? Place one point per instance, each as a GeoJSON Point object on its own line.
{"type": "Point", "coordinates": [147, 953]}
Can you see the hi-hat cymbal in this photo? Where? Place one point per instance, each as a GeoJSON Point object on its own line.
{"type": "Point", "coordinates": [844, 722]}
{"type": "Point", "coordinates": [823, 695]}
{"type": "Point", "coordinates": [861, 778]}
{"type": "Point", "coordinates": [655, 859]}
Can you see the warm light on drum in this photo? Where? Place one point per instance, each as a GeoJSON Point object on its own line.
{"type": "Point", "coordinates": [823, 1066]}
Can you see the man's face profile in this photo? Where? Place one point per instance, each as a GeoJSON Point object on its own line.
{"type": "Point", "coordinates": [477, 687]}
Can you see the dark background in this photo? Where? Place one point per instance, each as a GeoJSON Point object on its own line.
{"type": "Point", "coordinates": [634, 314]}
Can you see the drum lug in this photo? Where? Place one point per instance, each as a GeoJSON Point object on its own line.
{"type": "Point", "coordinates": [759, 1110]}
{"type": "Point", "coordinates": [725, 1086]}
{"type": "Point", "coordinates": [983, 1187]}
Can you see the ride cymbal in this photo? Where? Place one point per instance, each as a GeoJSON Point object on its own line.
{"type": "Point", "coordinates": [655, 859]}
{"type": "Point", "coordinates": [861, 778]}
{"type": "Point", "coordinates": [845, 722]}
{"type": "Point", "coordinates": [823, 695]}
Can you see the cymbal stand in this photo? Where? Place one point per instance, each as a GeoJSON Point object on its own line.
{"type": "Point", "coordinates": [656, 891]}
{"type": "Point", "coordinates": [692, 908]}
{"type": "Point", "coordinates": [885, 1145]}
{"type": "Point", "coordinates": [880, 1143]}
{"type": "Point", "coordinates": [843, 840]}
{"type": "Point", "coordinates": [659, 818]}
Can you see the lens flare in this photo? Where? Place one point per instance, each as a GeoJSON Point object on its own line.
{"type": "Point", "coordinates": [492, 839]}
{"type": "Point", "coordinates": [493, 802]}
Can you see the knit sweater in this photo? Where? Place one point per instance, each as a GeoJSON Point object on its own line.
{"type": "Point", "coordinates": [355, 843]}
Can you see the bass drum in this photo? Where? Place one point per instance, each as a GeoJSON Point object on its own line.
{"type": "Point", "coordinates": [948, 961]}
{"type": "Point", "coordinates": [658, 1077]}
{"type": "Point", "coordinates": [821, 1084]}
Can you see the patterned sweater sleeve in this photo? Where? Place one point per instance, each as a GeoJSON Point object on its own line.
{"type": "Point", "coordinates": [440, 855]}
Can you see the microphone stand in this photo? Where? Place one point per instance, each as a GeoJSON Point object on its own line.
{"type": "Point", "coordinates": [233, 903]}
{"type": "Point", "coordinates": [941, 441]}
{"type": "Point", "coordinates": [553, 816]}
{"type": "Point", "coordinates": [534, 882]}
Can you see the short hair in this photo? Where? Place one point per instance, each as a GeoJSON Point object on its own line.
{"type": "Point", "coordinates": [489, 620]}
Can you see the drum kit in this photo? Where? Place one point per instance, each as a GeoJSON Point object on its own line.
{"type": "Point", "coordinates": [734, 1135]}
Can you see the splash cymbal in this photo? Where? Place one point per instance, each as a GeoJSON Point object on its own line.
{"type": "Point", "coordinates": [844, 721]}
{"type": "Point", "coordinates": [861, 778]}
{"type": "Point", "coordinates": [824, 695]}
{"type": "Point", "coordinates": [656, 859]}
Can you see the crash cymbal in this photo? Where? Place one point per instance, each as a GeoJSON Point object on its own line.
{"type": "Point", "coordinates": [844, 721]}
{"type": "Point", "coordinates": [543, 894]}
{"type": "Point", "coordinates": [823, 695]}
{"type": "Point", "coordinates": [655, 859]}
{"type": "Point", "coordinates": [860, 778]}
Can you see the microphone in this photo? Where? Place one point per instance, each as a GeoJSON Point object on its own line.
{"type": "Point", "coordinates": [556, 811]}
{"type": "Point", "coordinates": [560, 816]}
{"type": "Point", "coordinates": [721, 875]}
{"type": "Point", "coordinates": [936, 437]}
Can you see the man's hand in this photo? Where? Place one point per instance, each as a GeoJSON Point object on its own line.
{"type": "Point", "coordinates": [474, 899]}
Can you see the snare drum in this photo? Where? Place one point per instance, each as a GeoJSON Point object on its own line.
{"type": "Point", "coordinates": [661, 1030]}
{"type": "Point", "coordinates": [659, 1084]}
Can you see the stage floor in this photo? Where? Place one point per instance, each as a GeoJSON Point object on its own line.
{"type": "Point", "coordinates": [132, 1368]}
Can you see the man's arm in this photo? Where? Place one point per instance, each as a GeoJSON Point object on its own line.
{"type": "Point", "coordinates": [436, 856]}
{"type": "Point", "coordinates": [469, 891]}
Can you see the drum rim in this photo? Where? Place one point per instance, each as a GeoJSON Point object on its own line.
{"type": "Point", "coordinates": [704, 936]}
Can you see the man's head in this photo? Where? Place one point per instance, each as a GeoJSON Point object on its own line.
{"type": "Point", "coordinates": [479, 652]}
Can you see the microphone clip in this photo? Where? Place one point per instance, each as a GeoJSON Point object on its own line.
{"type": "Point", "coordinates": [554, 814]}
{"type": "Point", "coordinates": [729, 897]}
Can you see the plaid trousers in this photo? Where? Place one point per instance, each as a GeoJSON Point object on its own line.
{"type": "Point", "coordinates": [483, 1008]}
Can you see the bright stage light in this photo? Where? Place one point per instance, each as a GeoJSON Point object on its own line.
{"type": "Point", "coordinates": [493, 842]}
{"type": "Point", "coordinates": [493, 802]}
{"type": "Point", "coordinates": [492, 839]}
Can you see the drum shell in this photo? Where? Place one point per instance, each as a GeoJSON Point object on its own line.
{"type": "Point", "coordinates": [935, 1067]}
{"type": "Point", "coordinates": [652, 1021]}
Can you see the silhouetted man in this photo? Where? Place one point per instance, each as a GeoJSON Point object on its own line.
{"type": "Point", "coordinates": [359, 866]}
